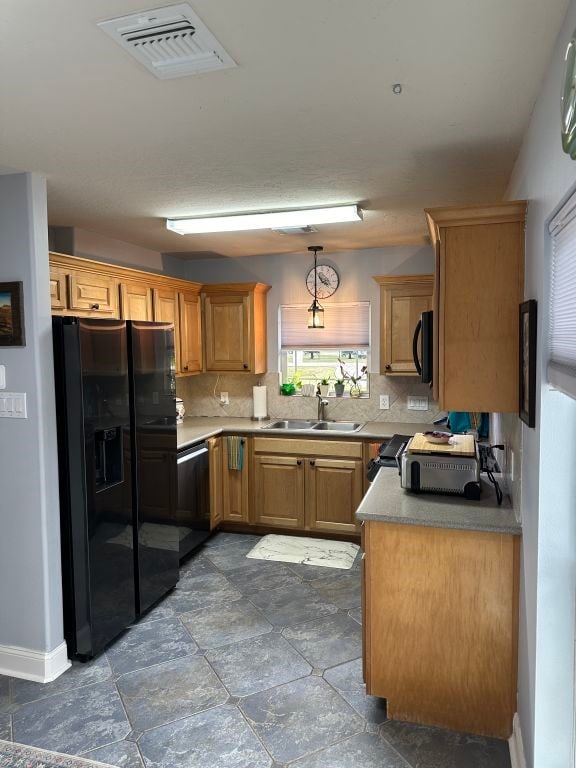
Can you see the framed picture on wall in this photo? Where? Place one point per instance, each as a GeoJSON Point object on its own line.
{"type": "Point", "coordinates": [527, 372]}
{"type": "Point", "coordinates": [11, 315]}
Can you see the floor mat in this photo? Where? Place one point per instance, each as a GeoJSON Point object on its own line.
{"type": "Point", "coordinates": [21, 756]}
{"type": "Point", "coordinates": [296, 549]}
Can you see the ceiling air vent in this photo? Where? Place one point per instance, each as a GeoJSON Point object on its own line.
{"type": "Point", "coordinates": [170, 41]}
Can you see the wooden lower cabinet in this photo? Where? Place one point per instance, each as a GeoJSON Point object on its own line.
{"type": "Point", "coordinates": [279, 491]}
{"type": "Point", "coordinates": [310, 485]}
{"type": "Point", "coordinates": [216, 491]}
{"type": "Point", "coordinates": [334, 489]}
{"type": "Point", "coordinates": [440, 623]}
{"type": "Point", "coordinates": [235, 486]}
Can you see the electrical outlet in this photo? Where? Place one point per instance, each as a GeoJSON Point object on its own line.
{"type": "Point", "coordinates": [2, 377]}
{"type": "Point", "coordinates": [417, 403]}
{"type": "Point", "coordinates": [384, 402]}
{"type": "Point", "coordinates": [224, 399]}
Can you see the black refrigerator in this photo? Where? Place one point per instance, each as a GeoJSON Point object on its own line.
{"type": "Point", "coordinates": [115, 388]}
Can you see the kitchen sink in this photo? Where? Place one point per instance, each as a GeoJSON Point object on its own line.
{"type": "Point", "coordinates": [321, 426]}
{"type": "Point", "coordinates": [291, 424]}
{"type": "Point", "coordinates": [337, 426]}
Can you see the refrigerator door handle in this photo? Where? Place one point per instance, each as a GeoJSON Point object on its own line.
{"type": "Point", "coordinates": [415, 347]}
{"type": "Point", "coordinates": [193, 455]}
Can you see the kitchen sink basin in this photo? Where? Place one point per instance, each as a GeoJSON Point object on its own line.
{"type": "Point", "coordinates": [337, 426]}
{"type": "Point", "coordinates": [291, 424]}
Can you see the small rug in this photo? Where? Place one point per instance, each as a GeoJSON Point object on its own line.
{"type": "Point", "coordinates": [296, 549]}
{"type": "Point", "coordinates": [21, 756]}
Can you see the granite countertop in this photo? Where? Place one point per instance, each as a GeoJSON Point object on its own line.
{"type": "Point", "coordinates": [387, 502]}
{"type": "Point", "coordinates": [193, 430]}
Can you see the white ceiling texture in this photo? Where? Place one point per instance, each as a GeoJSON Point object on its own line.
{"type": "Point", "coordinates": [307, 118]}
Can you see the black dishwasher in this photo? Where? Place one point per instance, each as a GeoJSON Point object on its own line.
{"type": "Point", "coordinates": [193, 498]}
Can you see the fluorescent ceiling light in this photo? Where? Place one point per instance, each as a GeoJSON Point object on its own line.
{"type": "Point", "coordinates": [269, 220]}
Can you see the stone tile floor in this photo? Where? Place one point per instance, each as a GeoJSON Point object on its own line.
{"type": "Point", "coordinates": [247, 664]}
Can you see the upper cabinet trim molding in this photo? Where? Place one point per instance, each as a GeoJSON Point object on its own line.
{"type": "Point", "coordinates": [219, 288]}
{"type": "Point", "coordinates": [122, 273]}
{"type": "Point", "coordinates": [468, 215]}
{"type": "Point", "coordinates": [399, 281]}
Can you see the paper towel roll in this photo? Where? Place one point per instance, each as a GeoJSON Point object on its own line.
{"type": "Point", "coordinates": [260, 404]}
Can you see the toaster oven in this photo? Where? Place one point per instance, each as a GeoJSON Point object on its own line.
{"type": "Point", "coordinates": [440, 472]}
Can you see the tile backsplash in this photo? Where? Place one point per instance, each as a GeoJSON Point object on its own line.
{"type": "Point", "coordinates": [201, 396]}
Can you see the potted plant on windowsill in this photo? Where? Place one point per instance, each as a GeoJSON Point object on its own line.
{"type": "Point", "coordinates": [324, 386]}
{"type": "Point", "coordinates": [339, 387]}
{"type": "Point", "coordinates": [355, 390]}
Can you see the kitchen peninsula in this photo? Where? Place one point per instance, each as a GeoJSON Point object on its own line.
{"type": "Point", "coordinates": [440, 606]}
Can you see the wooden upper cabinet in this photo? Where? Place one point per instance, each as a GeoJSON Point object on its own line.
{"type": "Point", "coordinates": [92, 293]}
{"type": "Point", "coordinates": [57, 289]}
{"type": "Point", "coordinates": [402, 301]}
{"type": "Point", "coordinates": [479, 286]}
{"type": "Point", "coordinates": [235, 327]}
{"type": "Point", "coordinates": [190, 332]}
{"type": "Point", "coordinates": [136, 301]}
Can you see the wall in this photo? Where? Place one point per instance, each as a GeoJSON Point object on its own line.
{"type": "Point", "coordinates": [544, 174]}
{"type": "Point", "coordinates": [286, 274]}
{"type": "Point", "coordinates": [30, 581]}
{"type": "Point", "coordinates": [91, 245]}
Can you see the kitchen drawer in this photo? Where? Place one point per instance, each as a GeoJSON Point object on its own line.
{"type": "Point", "coordinates": [303, 447]}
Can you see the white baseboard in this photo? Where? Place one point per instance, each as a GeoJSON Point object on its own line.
{"type": "Point", "coordinates": [516, 745]}
{"type": "Point", "coordinates": [33, 665]}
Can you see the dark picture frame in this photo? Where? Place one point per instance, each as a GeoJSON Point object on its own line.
{"type": "Point", "coordinates": [527, 368]}
{"type": "Point", "coordinates": [12, 315]}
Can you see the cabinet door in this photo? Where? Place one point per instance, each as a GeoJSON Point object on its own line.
{"type": "Point", "coordinates": [227, 319]}
{"type": "Point", "coordinates": [136, 301]}
{"type": "Point", "coordinates": [235, 486]}
{"type": "Point", "coordinates": [401, 311]}
{"type": "Point", "coordinates": [92, 294]}
{"type": "Point", "coordinates": [190, 333]}
{"type": "Point", "coordinates": [166, 311]}
{"type": "Point", "coordinates": [279, 491]}
{"type": "Point", "coordinates": [57, 289]}
{"type": "Point", "coordinates": [216, 497]}
{"type": "Point", "coordinates": [333, 493]}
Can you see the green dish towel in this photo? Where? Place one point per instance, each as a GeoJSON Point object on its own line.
{"type": "Point", "coordinates": [235, 452]}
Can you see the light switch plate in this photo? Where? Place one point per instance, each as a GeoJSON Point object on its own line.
{"type": "Point", "coordinates": [384, 402]}
{"type": "Point", "coordinates": [224, 399]}
{"type": "Point", "coordinates": [13, 405]}
{"type": "Point", "coordinates": [417, 403]}
{"type": "Point", "coordinates": [2, 377]}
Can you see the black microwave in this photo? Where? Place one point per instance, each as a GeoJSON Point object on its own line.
{"type": "Point", "coordinates": [425, 329]}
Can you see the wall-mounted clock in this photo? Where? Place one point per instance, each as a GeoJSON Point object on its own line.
{"type": "Point", "coordinates": [569, 100]}
{"type": "Point", "coordinates": [327, 281]}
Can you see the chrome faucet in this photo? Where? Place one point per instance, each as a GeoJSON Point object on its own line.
{"type": "Point", "coordinates": [322, 404]}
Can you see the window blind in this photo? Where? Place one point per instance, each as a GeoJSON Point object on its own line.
{"type": "Point", "coordinates": [346, 325]}
{"type": "Point", "coordinates": [562, 318]}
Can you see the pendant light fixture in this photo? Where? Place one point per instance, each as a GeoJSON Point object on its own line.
{"type": "Point", "coordinates": [316, 311]}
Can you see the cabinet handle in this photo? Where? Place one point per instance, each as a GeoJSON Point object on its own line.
{"type": "Point", "coordinates": [312, 462]}
{"type": "Point", "coordinates": [245, 366]}
{"type": "Point", "coordinates": [387, 366]}
{"type": "Point", "coordinates": [94, 306]}
{"type": "Point", "coordinates": [299, 462]}
{"type": "Point", "coordinates": [185, 368]}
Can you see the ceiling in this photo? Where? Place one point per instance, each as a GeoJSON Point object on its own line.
{"type": "Point", "coordinates": [307, 118]}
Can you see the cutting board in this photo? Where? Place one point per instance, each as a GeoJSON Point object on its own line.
{"type": "Point", "coordinates": [459, 445]}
